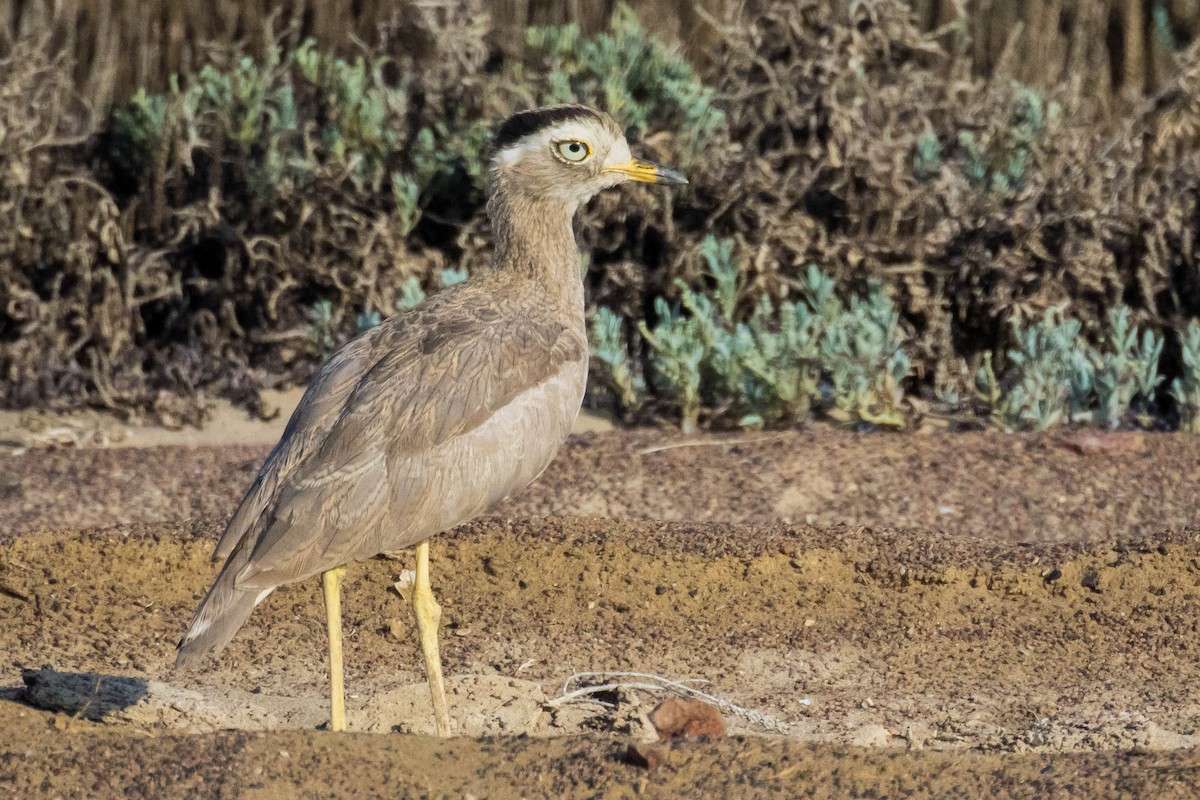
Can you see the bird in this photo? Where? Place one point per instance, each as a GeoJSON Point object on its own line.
{"type": "Point", "coordinates": [428, 419]}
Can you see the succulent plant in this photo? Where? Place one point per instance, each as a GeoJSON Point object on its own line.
{"type": "Point", "coordinates": [1186, 388]}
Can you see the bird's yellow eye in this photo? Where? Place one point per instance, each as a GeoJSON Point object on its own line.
{"type": "Point", "coordinates": [573, 150]}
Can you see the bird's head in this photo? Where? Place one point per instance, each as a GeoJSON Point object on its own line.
{"type": "Point", "coordinates": [566, 154]}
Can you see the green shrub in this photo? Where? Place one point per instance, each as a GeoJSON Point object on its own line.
{"type": "Point", "coordinates": [285, 126]}
{"type": "Point", "coordinates": [862, 356]}
{"type": "Point", "coordinates": [611, 362]}
{"type": "Point", "coordinates": [1186, 388]}
{"type": "Point", "coordinates": [1127, 373]}
{"type": "Point", "coordinates": [627, 72]}
{"type": "Point", "coordinates": [774, 368]}
{"type": "Point", "coordinates": [775, 365]}
{"type": "Point", "coordinates": [1050, 375]}
{"type": "Point", "coordinates": [1057, 377]}
{"type": "Point", "coordinates": [322, 325]}
{"type": "Point", "coordinates": [411, 294]}
{"type": "Point", "coordinates": [677, 350]}
{"type": "Point", "coordinates": [996, 159]}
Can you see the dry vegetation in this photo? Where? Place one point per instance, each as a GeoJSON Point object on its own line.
{"type": "Point", "coordinates": [221, 233]}
{"type": "Point", "coordinates": [1117, 47]}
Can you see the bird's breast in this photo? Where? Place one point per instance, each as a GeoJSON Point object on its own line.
{"type": "Point", "coordinates": [460, 478]}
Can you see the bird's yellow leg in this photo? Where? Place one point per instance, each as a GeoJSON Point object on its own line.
{"type": "Point", "coordinates": [331, 582]}
{"type": "Point", "coordinates": [429, 614]}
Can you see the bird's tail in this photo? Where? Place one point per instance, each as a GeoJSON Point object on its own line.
{"type": "Point", "coordinates": [222, 612]}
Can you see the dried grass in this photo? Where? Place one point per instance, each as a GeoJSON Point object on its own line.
{"type": "Point", "coordinates": [144, 287]}
{"type": "Point", "coordinates": [1118, 48]}
{"type": "Point", "coordinates": [857, 137]}
{"type": "Point", "coordinates": [1010, 217]}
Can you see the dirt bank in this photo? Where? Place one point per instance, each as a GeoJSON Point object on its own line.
{"type": "Point", "coordinates": [988, 485]}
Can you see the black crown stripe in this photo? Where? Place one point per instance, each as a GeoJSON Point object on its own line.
{"type": "Point", "coordinates": [523, 123]}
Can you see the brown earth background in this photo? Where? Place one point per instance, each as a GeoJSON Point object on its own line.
{"type": "Point", "coordinates": [901, 616]}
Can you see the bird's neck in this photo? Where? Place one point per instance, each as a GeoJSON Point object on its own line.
{"type": "Point", "coordinates": [534, 240]}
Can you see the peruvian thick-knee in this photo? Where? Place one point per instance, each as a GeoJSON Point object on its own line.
{"type": "Point", "coordinates": [432, 416]}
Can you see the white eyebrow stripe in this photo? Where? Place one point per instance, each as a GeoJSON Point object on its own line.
{"type": "Point", "coordinates": [572, 130]}
{"type": "Point", "coordinates": [515, 152]}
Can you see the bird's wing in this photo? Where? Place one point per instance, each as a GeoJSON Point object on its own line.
{"type": "Point", "coordinates": [438, 373]}
{"type": "Point", "coordinates": [316, 414]}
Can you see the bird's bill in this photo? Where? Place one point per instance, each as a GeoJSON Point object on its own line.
{"type": "Point", "coordinates": [647, 172]}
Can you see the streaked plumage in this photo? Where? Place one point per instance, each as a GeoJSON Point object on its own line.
{"type": "Point", "coordinates": [432, 416]}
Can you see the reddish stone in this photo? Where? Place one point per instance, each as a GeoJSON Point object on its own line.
{"type": "Point", "coordinates": [1089, 443]}
{"type": "Point", "coordinates": [687, 719]}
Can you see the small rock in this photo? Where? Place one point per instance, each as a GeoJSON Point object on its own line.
{"type": "Point", "coordinates": [687, 719]}
{"type": "Point", "coordinates": [1088, 443]}
{"type": "Point", "coordinates": [871, 736]}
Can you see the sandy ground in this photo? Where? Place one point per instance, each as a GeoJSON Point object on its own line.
{"type": "Point", "coordinates": [967, 615]}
